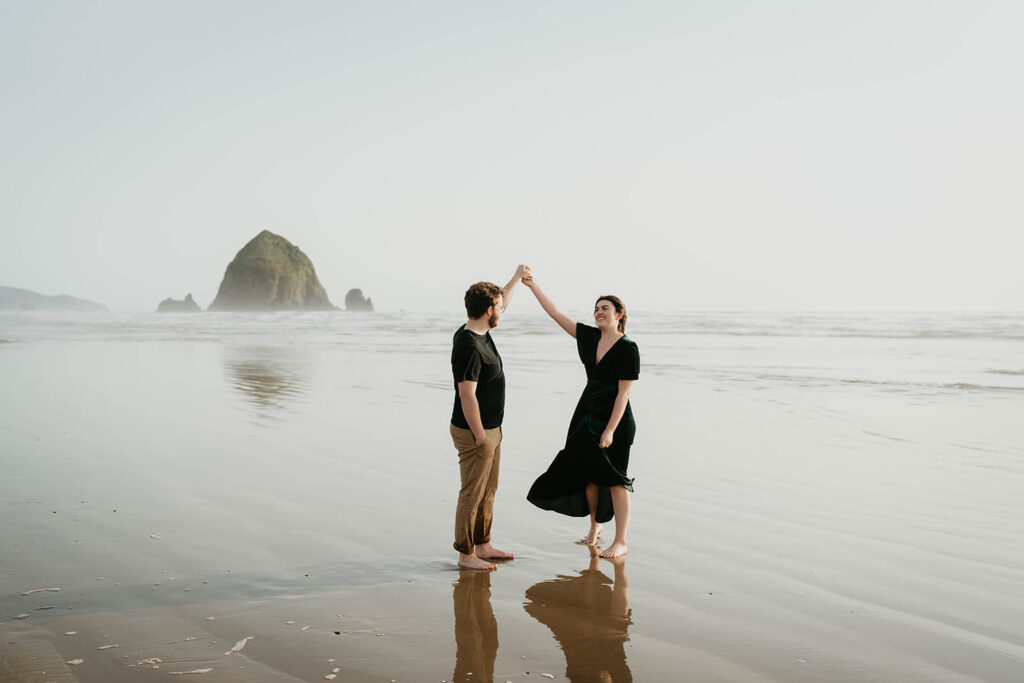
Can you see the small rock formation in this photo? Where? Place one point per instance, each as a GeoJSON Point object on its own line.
{"type": "Point", "coordinates": [354, 301]}
{"type": "Point", "coordinates": [187, 305]}
{"type": "Point", "coordinates": [270, 274]}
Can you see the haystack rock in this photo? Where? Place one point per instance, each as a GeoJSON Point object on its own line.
{"type": "Point", "coordinates": [186, 305]}
{"type": "Point", "coordinates": [354, 301]}
{"type": "Point", "coordinates": [270, 274]}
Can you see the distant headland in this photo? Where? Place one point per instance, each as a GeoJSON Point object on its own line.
{"type": "Point", "coordinates": [14, 299]}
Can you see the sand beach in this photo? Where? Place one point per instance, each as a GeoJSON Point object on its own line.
{"type": "Point", "coordinates": [818, 498]}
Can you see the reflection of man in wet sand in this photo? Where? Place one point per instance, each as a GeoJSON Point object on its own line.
{"type": "Point", "coordinates": [476, 420]}
{"type": "Point", "coordinates": [476, 631]}
{"type": "Point", "coordinates": [589, 617]}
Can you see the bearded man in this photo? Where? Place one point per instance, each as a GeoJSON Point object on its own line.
{"type": "Point", "coordinates": [476, 420]}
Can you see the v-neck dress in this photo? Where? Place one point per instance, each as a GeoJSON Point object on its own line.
{"type": "Point", "coordinates": [563, 487]}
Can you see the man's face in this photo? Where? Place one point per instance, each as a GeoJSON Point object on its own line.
{"type": "Point", "coordinates": [496, 310]}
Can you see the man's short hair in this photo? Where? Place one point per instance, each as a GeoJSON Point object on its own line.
{"type": "Point", "coordinates": [480, 297]}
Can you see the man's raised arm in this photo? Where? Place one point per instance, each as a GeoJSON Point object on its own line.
{"type": "Point", "coordinates": [520, 272]}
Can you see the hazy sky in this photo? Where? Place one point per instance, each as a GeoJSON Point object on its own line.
{"type": "Point", "coordinates": [686, 155]}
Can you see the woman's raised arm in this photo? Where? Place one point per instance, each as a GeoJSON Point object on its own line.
{"type": "Point", "coordinates": [564, 321]}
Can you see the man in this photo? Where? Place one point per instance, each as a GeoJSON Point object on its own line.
{"type": "Point", "coordinates": [476, 420]}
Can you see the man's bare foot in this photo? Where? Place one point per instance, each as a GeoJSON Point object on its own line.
{"type": "Point", "coordinates": [486, 551]}
{"type": "Point", "coordinates": [615, 550]}
{"type": "Point", "coordinates": [474, 562]}
{"type": "Point", "coordinates": [594, 537]}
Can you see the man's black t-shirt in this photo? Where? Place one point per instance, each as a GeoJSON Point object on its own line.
{"type": "Point", "coordinates": [476, 359]}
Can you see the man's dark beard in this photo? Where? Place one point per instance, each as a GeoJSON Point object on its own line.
{"type": "Point", "coordinates": [493, 320]}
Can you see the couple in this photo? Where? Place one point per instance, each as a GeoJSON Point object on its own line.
{"type": "Point", "coordinates": [588, 476]}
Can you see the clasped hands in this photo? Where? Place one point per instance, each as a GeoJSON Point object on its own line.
{"type": "Point", "coordinates": [525, 275]}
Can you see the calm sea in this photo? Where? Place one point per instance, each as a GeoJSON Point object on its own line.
{"type": "Point", "coordinates": [911, 352]}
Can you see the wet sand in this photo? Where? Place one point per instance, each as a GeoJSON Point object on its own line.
{"type": "Point", "coordinates": [785, 533]}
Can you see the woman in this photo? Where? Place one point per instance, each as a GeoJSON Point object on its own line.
{"type": "Point", "coordinates": [588, 476]}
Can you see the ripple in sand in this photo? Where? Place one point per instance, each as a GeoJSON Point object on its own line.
{"type": "Point", "coordinates": [42, 590]}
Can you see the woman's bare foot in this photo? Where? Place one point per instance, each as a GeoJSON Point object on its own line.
{"type": "Point", "coordinates": [615, 550]}
{"type": "Point", "coordinates": [474, 562]}
{"type": "Point", "coordinates": [486, 551]}
{"type": "Point", "coordinates": [594, 537]}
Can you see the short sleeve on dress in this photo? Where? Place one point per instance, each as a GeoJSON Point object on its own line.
{"type": "Point", "coordinates": [629, 361]}
{"type": "Point", "coordinates": [586, 342]}
{"type": "Point", "coordinates": [467, 364]}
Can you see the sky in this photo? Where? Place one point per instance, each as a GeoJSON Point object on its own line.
{"type": "Point", "coordinates": [773, 155]}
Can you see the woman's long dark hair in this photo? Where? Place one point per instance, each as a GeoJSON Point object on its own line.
{"type": "Point", "coordinates": [619, 308]}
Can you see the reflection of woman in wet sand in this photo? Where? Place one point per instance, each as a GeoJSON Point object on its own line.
{"type": "Point", "coordinates": [589, 618]}
{"type": "Point", "coordinates": [476, 631]}
{"type": "Point", "coordinates": [588, 476]}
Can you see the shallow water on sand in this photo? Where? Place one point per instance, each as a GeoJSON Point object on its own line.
{"type": "Point", "coordinates": [827, 497]}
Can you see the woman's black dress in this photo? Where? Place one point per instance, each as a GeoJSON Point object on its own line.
{"type": "Point", "coordinates": [563, 487]}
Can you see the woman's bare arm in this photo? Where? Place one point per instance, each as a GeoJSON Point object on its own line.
{"type": "Point", "coordinates": [618, 410]}
{"type": "Point", "coordinates": [549, 306]}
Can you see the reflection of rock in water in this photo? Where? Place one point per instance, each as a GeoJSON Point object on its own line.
{"type": "Point", "coordinates": [589, 617]}
{"type": "Point", "coordinates": [269, 377]}
{"type": "Point", "coordinates": [476, 631]}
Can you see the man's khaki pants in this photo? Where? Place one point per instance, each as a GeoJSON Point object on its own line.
{"type": "Point", "coordinates": [479, 468]}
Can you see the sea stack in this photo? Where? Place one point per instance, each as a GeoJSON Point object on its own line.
{"type": "Point", "coordinates": [270, 274]}
{"type": "Point", "coordinates": [186, 305]}
{"type": "Point", "coordinates": [355, 301]}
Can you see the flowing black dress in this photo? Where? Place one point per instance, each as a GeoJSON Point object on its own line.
{"type": "Point", "coordinates": [563, 487]}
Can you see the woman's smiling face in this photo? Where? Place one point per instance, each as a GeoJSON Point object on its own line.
{"type": "Point", "coordinates": [605, 315]}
